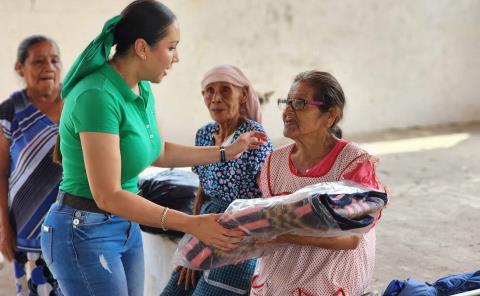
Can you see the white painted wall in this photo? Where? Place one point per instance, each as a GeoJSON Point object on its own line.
{"type": "Point", "coordinates": [401, 63]}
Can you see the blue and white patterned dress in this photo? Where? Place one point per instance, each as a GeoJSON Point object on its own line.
{"type": "Point", "coordinates": [235, 178]}
{"type": "Point", "coordinates": [34, 178]}
{"type": "Point", "coordinates": [32, 187]}
{"type": "Point", "coordinates": [223, 183]}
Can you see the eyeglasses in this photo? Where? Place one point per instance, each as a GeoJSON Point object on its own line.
{"type": "Point", "coordinates": [297, 104]}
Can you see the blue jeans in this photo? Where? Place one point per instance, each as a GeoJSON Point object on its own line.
{"type": "Point", "coordinates": [91, 253]}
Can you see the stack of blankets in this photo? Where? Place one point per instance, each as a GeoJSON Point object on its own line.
{"type": "Point", "coordinates": [324, 209]}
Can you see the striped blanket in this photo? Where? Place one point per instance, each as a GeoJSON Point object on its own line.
{"type": "Point", "coordinates": [326, 209]}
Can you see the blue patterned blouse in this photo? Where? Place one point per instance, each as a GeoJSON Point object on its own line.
{"type": "Point", "coordinates": [235, 178]}
{"type": "Point", "coordinates": [33, 177]}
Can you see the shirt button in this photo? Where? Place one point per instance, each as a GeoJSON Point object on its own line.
{"type": "Point", "coordinates": [151, 136]}
{"type": "Point", "coordinates": [148, 125]}
{"type": "Point", "coordinates": [75, 221]}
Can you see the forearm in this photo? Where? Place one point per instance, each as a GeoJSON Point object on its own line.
{"type": "Point", "coordinates": [103, 165]}
{"type": "Point", "coordinates": [143, 211]}
{"type": "Point", "coordinates": [332, 243]}
{"type": "Point", "coordinates": [7, 235]}
{"type": "Point", "coordinates": [4, 214]}
{"type": "Point", "coordinates": [4, 175]}
{"type": "Point", "coordinates": [175, 155]}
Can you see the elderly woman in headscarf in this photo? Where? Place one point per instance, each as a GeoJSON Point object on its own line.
{"type": "Point", "coordinates": [234, 108]}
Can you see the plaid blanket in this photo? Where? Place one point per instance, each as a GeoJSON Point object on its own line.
{"type": "Point", "coordinates": [310, 211]}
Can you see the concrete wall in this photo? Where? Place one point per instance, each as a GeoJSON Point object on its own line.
{"type": "Point", "coordinates": [401, 63]}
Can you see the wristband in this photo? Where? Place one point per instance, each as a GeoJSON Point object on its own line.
{"type": "Point", "coordinates": [222, 154]}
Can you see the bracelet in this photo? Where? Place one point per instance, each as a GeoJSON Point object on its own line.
{"type": "Point", "coordinates": [222, 154]}
{"type": "Point", "coordinates": [164, 218]}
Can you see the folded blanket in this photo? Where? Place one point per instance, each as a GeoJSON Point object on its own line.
{"type": "Point", "coordinates": [325, 209]}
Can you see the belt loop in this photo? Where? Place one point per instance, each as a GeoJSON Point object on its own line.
{"type": "Point", "coordinates": [60, 196]}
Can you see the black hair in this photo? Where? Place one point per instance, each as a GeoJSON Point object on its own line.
{"type": "Point", "coordinates": [27, 43]}
{"type": "Point", "coordinates": [327, 90]}
{"type": "Point", "coordinates": [146, 19]}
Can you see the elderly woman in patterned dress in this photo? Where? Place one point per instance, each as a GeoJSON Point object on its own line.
{"type": "Point", "coordinates": [28, 177]}
{"type": "Point", "coordinates": [234, 107]}
{"type": "Point", "coordinates": [316, 266]}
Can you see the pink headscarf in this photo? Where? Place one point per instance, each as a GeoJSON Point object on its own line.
{"type": "Point", "coordinates": [233, 75]}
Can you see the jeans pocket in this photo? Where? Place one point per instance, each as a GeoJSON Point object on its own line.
{"type": "Point", "coordinates": [46, 240]}
{"type": "Point", "coordinates": [84, 219]}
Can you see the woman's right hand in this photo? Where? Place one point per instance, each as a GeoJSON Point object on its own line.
{"type": "Point", "coordinates": [7, 242]}
{"type": "Point", "coordinates": [207, 229]}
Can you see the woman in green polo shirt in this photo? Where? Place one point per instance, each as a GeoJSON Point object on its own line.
{"type": "Point", "coordinates": [108, 135]}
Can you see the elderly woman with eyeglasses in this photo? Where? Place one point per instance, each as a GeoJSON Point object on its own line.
{"type": "Point", "coordinates": [302, 265]}
{"type": "Point", "coordinates": [234, 107]}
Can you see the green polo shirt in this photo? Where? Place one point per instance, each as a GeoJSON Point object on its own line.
{"type": "Point", "coordinates": [102, 102]}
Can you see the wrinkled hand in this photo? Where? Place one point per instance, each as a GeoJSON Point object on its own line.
{"type": "Point", "coordinates": [248, 140]}
{"type": "Point", "coordinates": [189, 275]}
{"type": "Point", "coordinates": [7, 242]}
{"type": "Point", "coordinates": [207, 229]}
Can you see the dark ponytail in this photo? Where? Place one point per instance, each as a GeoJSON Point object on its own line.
{"type": "Point", "coordinates": [146, 19]}
{"type": "Point", "coordinates": [336, 131]}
